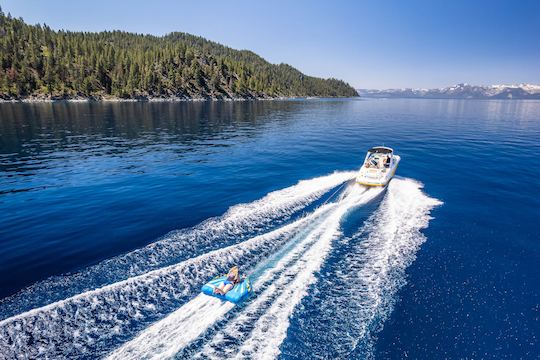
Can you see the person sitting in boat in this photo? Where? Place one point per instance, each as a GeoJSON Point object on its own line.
{"type": "Point", "coordinates": [387, 161]}
{"type": "Point", "coordinates": [233, 278]}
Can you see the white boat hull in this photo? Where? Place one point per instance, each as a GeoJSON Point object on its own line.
{"type": "Point", "coordinates": [376, 176]}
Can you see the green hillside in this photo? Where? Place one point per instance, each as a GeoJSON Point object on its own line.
{"type": "Point", "coordinates": [38, 62]}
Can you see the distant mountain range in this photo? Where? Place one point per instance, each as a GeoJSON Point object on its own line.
{"type": "Point", "coordinates": [460, 91]}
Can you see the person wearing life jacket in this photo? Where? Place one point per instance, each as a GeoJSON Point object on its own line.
{"type": "Point", "coordinates": [233, 278]}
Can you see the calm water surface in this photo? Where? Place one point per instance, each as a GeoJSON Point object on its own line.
{"type": "Point", "coordinates": [81, 183]}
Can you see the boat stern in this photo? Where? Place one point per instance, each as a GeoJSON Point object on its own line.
{"type": "Point", "coordinates": [368, 181]}
{"type": "Point", "coordinates": [377, 176]}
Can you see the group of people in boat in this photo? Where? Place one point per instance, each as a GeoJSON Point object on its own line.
{"type": "Point", "coordinates": [378, 162]}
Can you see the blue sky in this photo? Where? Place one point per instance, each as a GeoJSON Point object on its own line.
{"type": "Point", "coordinates": [370, 44]}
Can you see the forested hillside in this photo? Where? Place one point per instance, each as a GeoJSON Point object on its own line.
{"type": "Point", "coordinates": [37, 62]}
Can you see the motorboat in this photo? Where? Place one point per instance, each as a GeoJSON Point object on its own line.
{"type": "Point", "coordinates": [379, 167]}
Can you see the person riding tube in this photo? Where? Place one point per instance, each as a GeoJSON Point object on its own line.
{"type": "Point", "coordinates": [233, 278]}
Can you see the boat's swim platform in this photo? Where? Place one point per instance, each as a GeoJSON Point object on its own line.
{"type": "Point", "coordinates": [236, 295]}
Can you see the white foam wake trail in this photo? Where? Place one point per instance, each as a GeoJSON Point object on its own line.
{"type": "Point", "coordinates": [270, 328]}
{"type": "Point", "coordinates": [239, 222]}
{"type": "Point", "coordinates": [394, 237]}
{"type": "Point", "coordinates": [366, 277]}
{"type": "Point", "coordinates": [165, 338]}
{"type": "Point", "coordinates": [95, 321]}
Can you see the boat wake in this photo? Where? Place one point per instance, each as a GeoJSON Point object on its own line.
{"type": "Point", "coordinates": [154, 310]}
{"type": "Point", "coordinates": [237, 224]}
{"type": "Point", "coordinates": [90, 322]}
{"type": "Point", "coordinates": [279, 284]}
{"type": "Point", "coordinates": [357, 291]}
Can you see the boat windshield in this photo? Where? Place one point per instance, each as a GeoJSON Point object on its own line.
{"type": "Point", "coordinates": [380, 150]}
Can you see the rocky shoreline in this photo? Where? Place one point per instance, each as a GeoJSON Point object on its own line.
{"type": "Point", "coordinates": [76, 99]}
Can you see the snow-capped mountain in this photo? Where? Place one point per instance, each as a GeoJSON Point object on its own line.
{"type": "Point", "coordinates": [460, 91]}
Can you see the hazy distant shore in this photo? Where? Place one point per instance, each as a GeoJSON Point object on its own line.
{"type": "Point", "coordinates": [460, 91]}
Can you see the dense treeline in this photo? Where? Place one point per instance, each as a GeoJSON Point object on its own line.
{"type": "Point", "coordinates": [36, 61]}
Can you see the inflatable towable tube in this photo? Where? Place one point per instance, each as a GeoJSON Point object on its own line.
{"type": "Point", "coordinates": [237, 294]}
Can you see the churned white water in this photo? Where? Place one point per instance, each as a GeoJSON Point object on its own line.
{"type": "Point", "coordinates": [357, 292]}
{"type": "Point", "coordinates": [92, 321]}
{"type": "Point", "coordinates": [157, 314]}
{"type": "Point", "coordinates": [238, 222]}
{"type": "Point", "coordinates": [284, 285]}
{"type": "Point", "coordinates": [168, 336]}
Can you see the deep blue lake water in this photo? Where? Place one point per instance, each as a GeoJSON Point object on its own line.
{"type": "Point", "coordinates": [114, 215]}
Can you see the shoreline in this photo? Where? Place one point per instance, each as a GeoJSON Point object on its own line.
{"type": "Point", "coordinates": [152, 99]}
